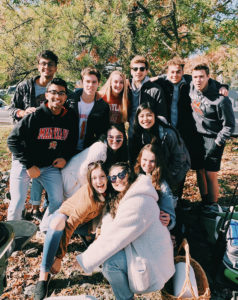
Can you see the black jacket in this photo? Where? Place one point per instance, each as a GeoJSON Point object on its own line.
{"type": "Point", "coordinates": [186, 124]}
{"type": "Point", "coordinates": [173, 153]}
{"type": "Point", "coordinates": [98, 119]}
{"type": "Point", "coordinates": [153, 93]}
{"type": "Point", "coordinates": [41, 137]}
{"type": "Point", "coordinates": [24, 97]}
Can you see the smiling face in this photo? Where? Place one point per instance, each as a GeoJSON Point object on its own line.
{"type": "Point", "coordinates": [120, 184]}
{"type": "Point", "coordinates": [56, 96]}
{"type": "Point", "coordinates": [99, 180]}
{"type": "Point", "coordinates": [175, 73]}
{"type": "Point", "coordinates": [138, 72]}
{"type": "Point", "coordinates": [114, 139]}
{"type": "Point", "coordinates": [147, 162]}
{"type": "Point", "coordinates": [47, 68]}
{"type": "Point", "coordinates": [146, 118]}
{"type": "Point", "coordinates": [90, 85]}
{"type": "Point", "coordinates": [117, 84]}
{"type": "Point", "coordinates": [200, 79]}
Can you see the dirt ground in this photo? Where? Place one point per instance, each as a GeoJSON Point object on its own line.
{"type": "Point", "coordinates": [23, 266]}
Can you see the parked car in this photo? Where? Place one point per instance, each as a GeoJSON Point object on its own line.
{"type": "Point", "coordinates": [5, 117]}
{"type": "Point", "coordinates": [11, 89]}
{"type": "Point", "coordinates": [3, 92]}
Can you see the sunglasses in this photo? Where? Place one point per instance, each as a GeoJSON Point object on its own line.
{"type": "Point", "coordinates": [120, 175]}
{"type": "Point", "coordinates": [93, 164]}
{"type": "Point", "coordinates": [117, 138]}
{"type": "Point", "coordinates": [142, 69]}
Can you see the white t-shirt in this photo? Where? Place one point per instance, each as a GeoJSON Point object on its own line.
{"type": "Point", "coordinates": [39, 94]}
{"type": "Point", "coordinates": [84, 111]}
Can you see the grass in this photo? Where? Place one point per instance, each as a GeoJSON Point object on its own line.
{"type": "Point", "coordinates": [5, 154]}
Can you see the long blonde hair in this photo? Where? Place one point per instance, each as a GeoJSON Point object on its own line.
{"type": "Point", "coordinates": [106, 90]}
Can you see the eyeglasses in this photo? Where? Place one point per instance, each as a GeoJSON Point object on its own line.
{"type": "Point", "coordinates": [94, 163]}
{"type": "Point", "coordinates": [118, 138]}
{"type": "Point", "coordinates": [60, 93]}
{"type": "Point", "coordinates": [49, 64]}
{"type": "Point", "coordinates": [142, 69]}
{"type": "Point", "coordinates": [120, 175]}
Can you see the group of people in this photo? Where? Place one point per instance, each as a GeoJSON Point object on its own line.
{"type": "Point", "coordinates": [115, 185]}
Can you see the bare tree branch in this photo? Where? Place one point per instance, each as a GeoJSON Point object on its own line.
{"type": "Point", "coordinates": [18, 26]}
{"type": "Point", "coordinates": [144, 9]}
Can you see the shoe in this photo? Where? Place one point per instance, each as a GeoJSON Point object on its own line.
{"type": "Point", "coordinates": [41, 289]}
{"type": "Point", "coordinates": [85, 241]}
{"type": "Point", "coordinates": [37, 215]}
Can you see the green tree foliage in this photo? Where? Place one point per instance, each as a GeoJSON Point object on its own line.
{"type": "Point", "coordinates": [100, 32]}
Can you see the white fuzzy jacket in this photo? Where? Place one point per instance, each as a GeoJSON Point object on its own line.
{"type": "Point", "coordinates": [136, 227]}
{"type": "Point", "coordinates": [74, 174]}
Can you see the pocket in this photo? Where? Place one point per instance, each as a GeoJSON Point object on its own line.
{"type": "Point", "coordinates": [138, 271]}
{"type": "Point", "coordinates": [140, 274]}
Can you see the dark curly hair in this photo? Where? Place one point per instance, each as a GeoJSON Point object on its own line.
{"type": "Point", "coordinates": [116, 197]}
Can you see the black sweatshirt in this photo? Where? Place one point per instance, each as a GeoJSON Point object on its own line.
{"type": "Point", "coordinates": [41, 137]}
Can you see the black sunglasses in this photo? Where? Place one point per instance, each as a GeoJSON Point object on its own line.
{"type": "Point", "coordinates": [120, 175]}
{"type": "Point", "coordinates": [142, 69]}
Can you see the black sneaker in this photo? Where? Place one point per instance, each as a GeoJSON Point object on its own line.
{"type": "Point", "coordinates": [85, 241]}
{"type": "Point", "coordinates": [37, 215]}
{"type": "Point", "coordinates": [41, 289]}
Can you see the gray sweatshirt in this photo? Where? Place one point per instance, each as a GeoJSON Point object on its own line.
{"type": "Point", "coordinates": [212, 113]}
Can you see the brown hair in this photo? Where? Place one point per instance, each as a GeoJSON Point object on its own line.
{"type": "Point", "coordinates": [114, 202]}
{"type": "Point", "coordinates": [47, 54]}
{"type": "Point", "coordinates": [91, 167]}
{"type": "Point", "coordinates": [140, 59]}
{"type": "Point", "coordinates": [156, 174]}
{"type": "Point", "coordinates": [106, 89]}
{"type": "Point", "coordinates": [176, 61]}
{"type": "Point", "coordinates": [91, 71]}
{"type": "Point", "coordinates": [202, 66]}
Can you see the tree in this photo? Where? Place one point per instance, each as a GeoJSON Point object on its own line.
{"type": "Point", "coordinates": [101, 32]}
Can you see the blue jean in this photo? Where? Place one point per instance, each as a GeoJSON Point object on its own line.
{"type": "Point", "coordinates": [115, 271]}
{"type": "Point", "coordinates": [50, 178]}
{"type": "Point", "coordinates": [36, 193]}
{"type": "Point", "coordinates": [51, 243]}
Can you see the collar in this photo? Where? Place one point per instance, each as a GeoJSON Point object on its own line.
{"type": "Point", "coordinates": [134, 88]}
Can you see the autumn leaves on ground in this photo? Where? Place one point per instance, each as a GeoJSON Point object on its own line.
{"type": "Point", "coordinates": [23, 266]}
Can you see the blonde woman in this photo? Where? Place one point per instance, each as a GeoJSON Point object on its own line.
{"type": "Point", "coordinates": [114, 92]}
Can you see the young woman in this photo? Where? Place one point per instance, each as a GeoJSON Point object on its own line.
{"type": "Point", "coordinates": [134, 247]}
{"type": "Point", "coordinates": [148, 163]}
{"type": "Point", "coordinates": [114, 92]}
{"type": "Point", "coordinates": [86, 204]}
{"type": "Point", "coordinates": [151, 129]}
{"type": "Point", "coordinates": [111, 148]}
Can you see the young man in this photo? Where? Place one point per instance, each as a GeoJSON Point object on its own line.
{"type": "Point", "coordinates": [41, 143]}
{"type": "Point", "coordinates": [93, 114]}
{"type": "Point", "coordinates": [31, 92]}
{"type": "Point", "coordinates": [176, 86]}
{"type": "Point", "coordinates": [215, 122]}
{"type": "Point", "coordinates": [143, 90]}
